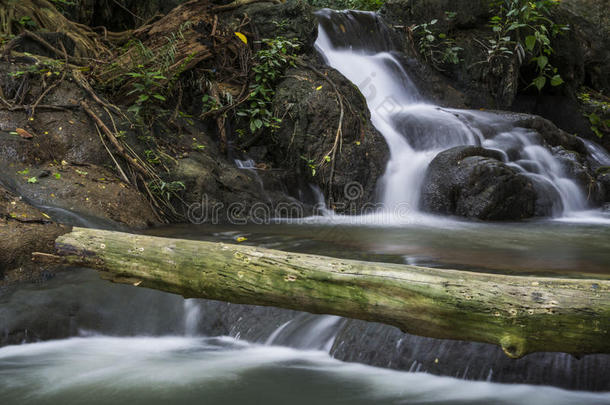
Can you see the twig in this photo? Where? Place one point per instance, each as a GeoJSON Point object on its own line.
{"type": "Point", "coordinates": [118, 166]}
{"type": "Point", "coordinates": [65, 107]}
{"type": "Point", "coordinates": [115, 142]}
{"type": "Point", "coordinates": [128, 10]}
{"type": "Point", "coordinates": [82, 82]}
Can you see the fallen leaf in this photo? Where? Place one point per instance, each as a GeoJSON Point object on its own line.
{"type": "Point", "coordinates": [45, 215]}
{"type": "Point", "coordinates": [23, 133]}
{"type": "Point", "coordinates": [241, 239]}
{"type": "Point", "coordinates": [242, 37]}
{"type": "Point", "coordinates": [319, 88]}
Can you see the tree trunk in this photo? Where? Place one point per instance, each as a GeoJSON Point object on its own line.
{"type": "Point", "coordinates": [521, 314]}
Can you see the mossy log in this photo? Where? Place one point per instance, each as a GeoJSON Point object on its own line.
{"type": "Point", "coordinates": [521, 314]}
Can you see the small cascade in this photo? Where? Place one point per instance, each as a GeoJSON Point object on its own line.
{"type": "Point", "coordinates": [192, 315]}
{"type": "Point", "coordinates": [250, 165]}
{"type": "Point", "coordinates": [597, 154]}
{"type": "Point", "coordinates": [307, 331]}
{"type": "Point", "coordinates": [358, 45]}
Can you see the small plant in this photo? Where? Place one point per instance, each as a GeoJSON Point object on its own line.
{"type": "Point", "coordinates": [311, 164]}
{"type": "Point", "coordinates": [24, 172]}
{"type": "Point", "coordinates": [32, 180]}
{"type": "Point", "coordinates": [152, 157]}
{"type": "Point", "coordinates": [27, 23]}
{"type": "Point", "coordinates": [197, 146]}
{"type": "Point", "coordinates": [147, 87]}
{"type": "Point", "coordinates": [271, 62]}
{"type": "Point", "coordinates": [597, 111]}
{"type": "Point", "coordinates": [525, 28]}
{"type": "Point", "coordinates": [437, 48]}
{"type": "Point", "coordinates": [166, 190]}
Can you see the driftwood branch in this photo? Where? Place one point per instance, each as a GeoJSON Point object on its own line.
{"type": "Point", "coordinates": [520, 314]}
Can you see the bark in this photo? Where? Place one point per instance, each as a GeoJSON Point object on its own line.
{"type": "Point", "coordinates": [521, 314]}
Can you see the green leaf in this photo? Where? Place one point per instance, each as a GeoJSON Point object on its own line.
{"type": "Point", "coordinates": [57, 176]}
{"type": "Point", "coordinates": [32, 180]}
{"type": "Point", "coordinates": [556, 80]}
{"type": "Point", "coordinates": [542, 61]}
{"type": "Point", "coordinates": [159, 97]}
{"type": "Point", "coordinates": [539, 82]}
{"type": "Point", "coordinates": [530, 42]}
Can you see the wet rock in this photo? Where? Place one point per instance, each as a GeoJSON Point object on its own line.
{"type": "Point", "coordinates": [23, 230]}
{"type": "Point", "coordinates": [603, 179]}
{"type": "Point", "coordinates": [304, 143]}
{"type": "Point", "coordinates": [576, 168]}
{"type": "Point", "coordinates": [473, 182]}
{"type": "Point", "coordinates": [292, 19]}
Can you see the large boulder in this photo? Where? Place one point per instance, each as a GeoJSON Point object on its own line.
{"type": "Point", "coordinates": [307, 137]}
{"type": "Point", "coordinates": [473, 182]}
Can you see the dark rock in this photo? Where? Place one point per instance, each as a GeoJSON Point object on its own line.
{"type": "Point", "coordinates": [549, 132]}
{"type": "Point", "coordinates": [603, 179]}
{"type": "Point", "coordinates": [23, 230]}
{"type": "Point", "coordinates": [293, 19]}
{"type": "Point", "coordinates": [472, 182]}
{"type": "Point", "coordinates": [308, 133]}
{"type": "Point", "coordinates": [576, 168]}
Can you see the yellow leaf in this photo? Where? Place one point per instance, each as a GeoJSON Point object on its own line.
{"type": "Point", "coordinates": [241, 239]}
{"type": "Point", "coordinates": [342, 28]}
{"type": "Point", "coordinates": [358, 143]}
{"type": "Point", "coordinates": [242, 37]}
{"type": "Point", "coordinates": [319, 88]}
{"type": "Point", "coordinates": [45, 215]}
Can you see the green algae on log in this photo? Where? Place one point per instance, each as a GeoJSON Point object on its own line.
{"type": "Point", "coordinates": [521, 314]}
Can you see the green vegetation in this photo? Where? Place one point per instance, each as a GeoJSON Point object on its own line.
{"type": "Point", "coordinates": [312, 164]}
{"type": "Point", "coordinates": [147, 87]}
{"type": "Point", "coordinates": [166, 190]}
{"type": "Point", "coordinates": [437, 48]}
{"type": "Point", "coordinates": [598, 111]}
{"type": "Point", "coordinates": [366, 5]}
{"type": "Point", "coordinates": [525, 29]}
{"type": "Point", "coordinates": [271, 61]}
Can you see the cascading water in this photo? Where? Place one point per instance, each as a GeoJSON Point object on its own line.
{"type": "Point", "coordinates": [358, 45]}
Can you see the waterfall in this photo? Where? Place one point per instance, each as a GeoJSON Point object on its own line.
{"type": "Point", "coordinates": [358, 45]}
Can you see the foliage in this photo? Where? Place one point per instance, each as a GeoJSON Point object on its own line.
{"type": "Point", "coordinates": [437, 48]}
{"type": "Point", "coordinates": [271, 61]}
{"type": "Point", "coordinates": [311, 164]}
{"type": "Point", "coordinates": [166, 190]}
{"type": "Point", "coordinates": [154, 77]}
{"type": "Point", "coordinates": [366, 5]}
{"type": "Point", "coordinates": [147, 87]}
{"type": "Point", "coordinates": [599, 111]}
{"type": "Point", "coordinates": [525, 28]}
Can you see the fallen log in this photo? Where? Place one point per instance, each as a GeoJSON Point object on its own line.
{"type": "Point", "coordinates": [520, 314]}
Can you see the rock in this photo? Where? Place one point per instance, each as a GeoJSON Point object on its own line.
{"type": "Point", "coordinates": [576, 168]}
{"type": "Point", "coordinates": [23, 230]}
{"type": "Point", "coordinates": [473, 182]}
{"type": "Point", "coordinates": [304, 142]}
{"type": "Point", "coordinates": [293, 19]}
{"type": "Point", "coordinates": [603, 179]}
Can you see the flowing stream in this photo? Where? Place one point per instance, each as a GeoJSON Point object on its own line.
{"type": "Point", "coordinates": [360, 46]}
{"type": "Point", "coordinates": [121, 344]}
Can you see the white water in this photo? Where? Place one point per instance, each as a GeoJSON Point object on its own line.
{"type": "Point", "coordinates": [416, 131]}
{"type": "Point", "coordinates": [145, 370]}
